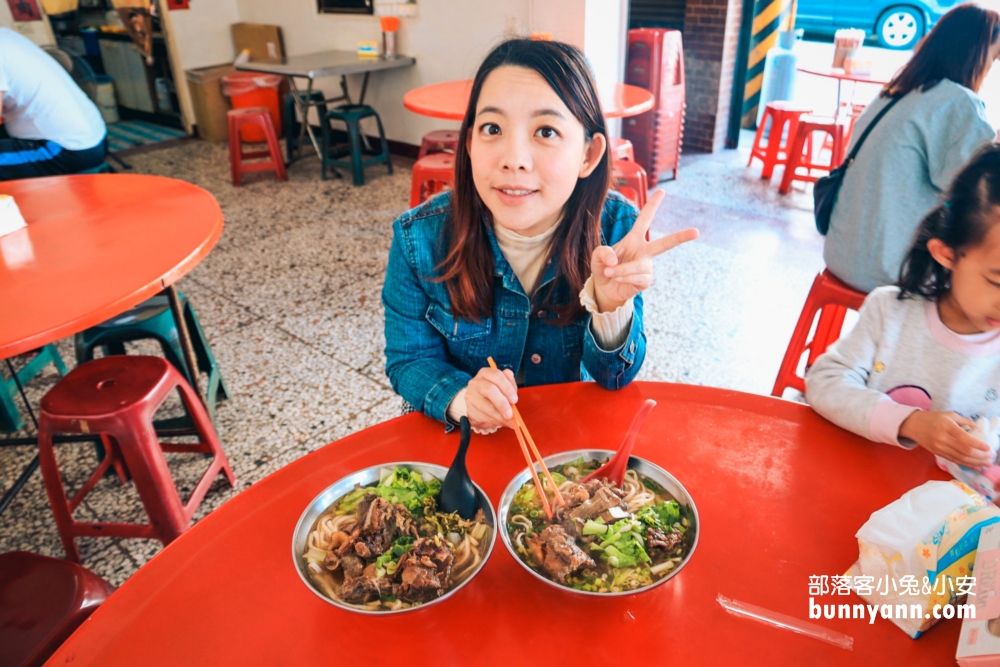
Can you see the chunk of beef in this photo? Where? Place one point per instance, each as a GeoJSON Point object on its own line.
{"type": "Point", "coordinates": [656, 539]}
{"type": "Point", "coordinates": [358, 590]}
{"type": "Point", "coordinates": [425, 570]}
{"type": "Point", "coordinates": [560, 555]}
{"type": "Point", "coordinates": [379, 523]}
{"type": "Point", "coordinates": [352, 565]}
{"type": "Point", "coordinates": [594, 485]}
{"type": "Point", "coordinates": [604, 499]}
{"type": "Point", "coordinates": [574, 494]}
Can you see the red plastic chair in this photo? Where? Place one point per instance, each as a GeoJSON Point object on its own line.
{"type": "Point", "coordinates": [775, 151]}
{"type": "Point", "coordinates": [42, 601]}
{"type": "Point", "coordinates": [799, 156]}
{"type": "Point", "coordinates": [831, 298]}
{"type": "Point", "coordinates": [431, 174]}
{"type": "Point", "coordinates": [629, 174]}
{"type": "Point", "coordinates": [621, 149]}
{"type": "Point", "coordinates": [438, 141]}
{"type": "Point", "coordinates": [115, 397]}
{"type": "Point", "coordinates": [260, 117]}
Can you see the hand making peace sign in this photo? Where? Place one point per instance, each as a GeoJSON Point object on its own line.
{"type": "Point", "coordinates": [625, 269]}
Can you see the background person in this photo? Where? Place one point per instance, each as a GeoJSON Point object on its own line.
{"type": "Point", "coordinates": [51, 125]}
{"type": "Point", "coordinates": [529, 259]}
{"type": "Point", "coordinates": [923, 361]}
{"type": "Point", "coordinates": [916, 149]}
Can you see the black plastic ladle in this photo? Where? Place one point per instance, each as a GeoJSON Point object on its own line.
{"type": "Point", "coordinates": [458, 494]}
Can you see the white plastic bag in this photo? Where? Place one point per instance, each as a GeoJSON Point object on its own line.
{"type": "Point", "coordinates": [916, 549]}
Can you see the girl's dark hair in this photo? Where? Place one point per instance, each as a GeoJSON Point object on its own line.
{"type": "Point", "coordinates": [961, 221]}
{"type": "Point", "coordinates": [467, 267]}
{"type": "Point", "coordinates": [957, 48]}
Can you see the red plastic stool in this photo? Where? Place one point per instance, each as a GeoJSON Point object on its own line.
{"type": "Point", "coordinates": [629, 174]}
{"type": "Point", "coordinates": [261, 117]}
{"type": "Point", "coordinates": [800, 155]}
{"type": "Point", "coordinates": [438, 141]}
{"type": "Point", "coordinates": [115, 397]}
{"type": "Point", "coordinates": [621, 149]}
{"type": "Point", "coordinates": [775, 151]}
{"type": "Point", "coordinates": [831, 298]}
{"type": "Point", "coordinates": [431, 174]}
{"type": "Point", "coordinates": [42, 601]}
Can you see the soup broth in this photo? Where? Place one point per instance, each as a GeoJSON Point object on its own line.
{"type": "Point", "coordinates": [387, 547]}
{"type": "Point", "coordinates": [604, 539]}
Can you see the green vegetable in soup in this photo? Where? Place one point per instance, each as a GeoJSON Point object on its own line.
{"type": "Point", "coordinates": [662, 516]}
{"type": "Point", "coordinates": [408, 489]}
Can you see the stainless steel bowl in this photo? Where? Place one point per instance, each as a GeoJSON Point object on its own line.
{"type": "Point", "coordinates": [367, 477]}
{"type": "Point", "coordinates": [641, 466]}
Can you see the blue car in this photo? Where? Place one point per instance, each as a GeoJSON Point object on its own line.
{"type": "Point", "coordinates": [893, 24]}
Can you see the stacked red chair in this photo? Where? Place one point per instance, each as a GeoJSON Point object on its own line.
{"type": "Point", "coordinates": [775, 149]}
{"type": "Point", "coordinates": [431, 174]}
{"type": "Point", "coordinates": [800, 154]}
{"type": "Point", "coordinates": [656, 62]}
{"type": "Point", "coordinates": [628, 176]}
{"type": "Point", "coordinates": [438, 141]}
{"type": "Point", "coordinates": [831, 298]}
{"type": "Point", "coordinates": [42, 601]}
{"type": "Point", "coordinates": [115, 398]}
{"type": "Point", "coordinates": [621, 149]}
{"type": "Point", "coordinates": [260, 117]}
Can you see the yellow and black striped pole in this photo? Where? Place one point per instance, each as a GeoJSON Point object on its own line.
{"type": "Point", "coordinates": [769, 16]}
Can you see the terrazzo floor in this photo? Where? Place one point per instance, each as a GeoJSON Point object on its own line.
{"type": "Point", "coordinates": [290, 301]}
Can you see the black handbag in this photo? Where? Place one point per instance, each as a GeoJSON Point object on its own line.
{"type": "Point", "coordinates": [827, 188]}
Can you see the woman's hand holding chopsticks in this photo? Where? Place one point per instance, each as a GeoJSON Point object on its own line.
{"type": "Point", "coordinates": [489, 399]}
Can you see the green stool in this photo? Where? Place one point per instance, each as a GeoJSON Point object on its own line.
{"type": "Point", "coordinates": [10, 416]}
{"type": "Point", "coordinates": [152, 319]}
{"type": "Point", "coordinates": [291, 125]}
{"type": "Point", "coordinates": [103, 168]}
{"type": "Point", "coordinates": [351, 115]}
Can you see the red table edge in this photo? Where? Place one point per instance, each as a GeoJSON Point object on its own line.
{"type": "Point", "coordinates": [844, 76]}
{"type": "Point", "coordinates": [130, 301]}
{"type": "Point", "coordinates": [410, 105]}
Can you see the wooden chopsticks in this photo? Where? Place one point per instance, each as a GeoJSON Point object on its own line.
{"type": "Point", "coordinates": [522, 434]}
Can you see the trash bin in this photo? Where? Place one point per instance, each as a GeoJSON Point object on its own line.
{"type": "Point", "coordinates": [251, 89]}
{"type": "Point", "coordinates": [210, 105]}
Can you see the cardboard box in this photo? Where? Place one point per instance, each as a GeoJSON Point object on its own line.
{"type": "Point", "coordinates": [263, 41]}
{"type": "Point", "coordinates": [979, 641]}
{"type": "Point", "coordinates": [210, 105]}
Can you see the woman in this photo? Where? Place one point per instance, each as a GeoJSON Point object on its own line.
{"type": "Point", "coordinates": [916, 149]}
{"type": "Point", "coordinates": [529, 259]}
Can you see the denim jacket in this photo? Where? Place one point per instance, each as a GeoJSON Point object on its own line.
{"type": "Point", "coordinates": [431, 354]}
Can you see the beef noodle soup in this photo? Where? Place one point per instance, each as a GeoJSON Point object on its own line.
{"type": "Point", "coordinates": [604, 539]}
{"type": "Point", "coordinates": [387, 547]}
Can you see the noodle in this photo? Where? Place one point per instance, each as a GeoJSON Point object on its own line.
{"type": "Point", "coordinates": [466, 539]}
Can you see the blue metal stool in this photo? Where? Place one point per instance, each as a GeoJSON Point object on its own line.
{"type": "Point", "coordinates": [10, 416]}
{"type": "Point", "coordinates": [153, 319]}
{"type": "Point", "coordinates": [351, 115]}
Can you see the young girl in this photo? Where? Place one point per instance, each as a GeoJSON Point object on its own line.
{"type": "Point", "coordinates": [923, 361]}
{"type": "Point", "coordinates": [529, 259]}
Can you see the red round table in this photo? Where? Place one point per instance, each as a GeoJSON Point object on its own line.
{"type": "Point", "coordinates": [95, 246]}
{"type": "Point", "coordinates": [841, 76]}
{"type": "Point", "coordinates": [449, 100]}
{"type": "Point", "coordinates": [780, 493]}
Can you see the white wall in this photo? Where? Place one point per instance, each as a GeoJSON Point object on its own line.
{"type": "Point", "coordinates": [37, 31]}
{"type": "Point", "coordinates": [198, 37]}
{"type": "Point", "coordinates": [449, 38]}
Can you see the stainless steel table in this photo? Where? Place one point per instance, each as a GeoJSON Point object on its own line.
{"type": "Point", "coordinates": [312, 66]}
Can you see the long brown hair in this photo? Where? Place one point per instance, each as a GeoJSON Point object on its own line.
{"type": "Point", "coordinates": [958, 49]}
{"type": "Point", "coordinates": [467, 267]}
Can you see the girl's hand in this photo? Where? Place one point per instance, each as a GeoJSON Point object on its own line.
{"type": "Point", "coordinates": [625, 269]}
{"type": "Point", "coordinates": [946, 434]}
{"type": "Point", "coordinates": [488, 398]}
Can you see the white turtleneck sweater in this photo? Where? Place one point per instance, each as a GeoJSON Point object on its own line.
{"type": "Point", "coordinates": [527, 256]}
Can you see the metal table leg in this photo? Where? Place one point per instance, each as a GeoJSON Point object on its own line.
{"type": "Point", "coordinates": [185, 340]}
{"type": "Point", "coordinates": [33, 466]}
